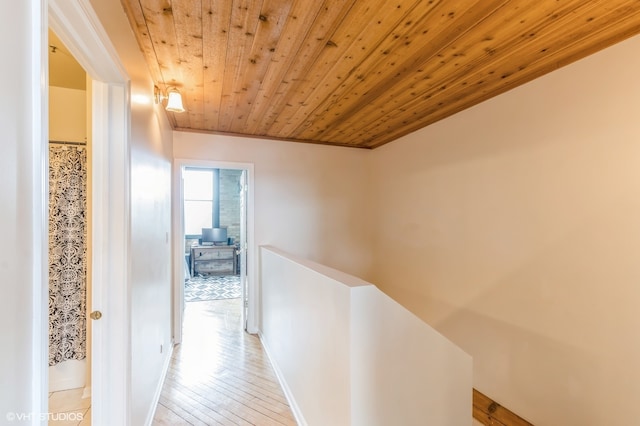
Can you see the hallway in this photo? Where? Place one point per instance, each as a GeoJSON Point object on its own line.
{"type": "Point", "coordinates": [220, 375]}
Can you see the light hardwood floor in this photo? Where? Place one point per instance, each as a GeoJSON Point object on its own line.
{"type": "Point", "coordinates": [220, 374]}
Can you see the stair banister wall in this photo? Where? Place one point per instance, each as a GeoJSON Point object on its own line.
{"type": "Point", "coordinates": [347, 354]}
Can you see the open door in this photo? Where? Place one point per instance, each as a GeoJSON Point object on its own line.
{"type": "Point", "coordinates": [244, 282]}
{"type": "Point", "coordinates": [179, 251]}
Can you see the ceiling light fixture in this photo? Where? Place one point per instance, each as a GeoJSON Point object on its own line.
{"type": "Point", "coordinates": [173, 96]}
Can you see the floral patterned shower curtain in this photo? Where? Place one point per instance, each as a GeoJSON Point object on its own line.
{"type": "Point", "coordinates": [67, 252]}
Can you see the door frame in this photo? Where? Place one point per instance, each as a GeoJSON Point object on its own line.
{"type": "Point", "coordinates": [178, 237]}
{"type": "Point", "coordinates": [79, 28]}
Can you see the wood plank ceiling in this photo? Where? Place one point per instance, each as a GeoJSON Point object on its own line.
{"type": "Point", "coordinates": [359, 73]}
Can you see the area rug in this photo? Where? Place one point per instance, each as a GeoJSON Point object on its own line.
{"type": "Point", "coordinates": [211, 287]}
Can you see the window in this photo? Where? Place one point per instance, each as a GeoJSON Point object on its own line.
{"type": "Point", "coordinates": [199, 198]}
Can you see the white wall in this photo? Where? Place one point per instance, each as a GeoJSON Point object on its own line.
{"type": "Point", "coordinates": [67, 114]}
{"type": "Point", "coordinates": [22, 224]}
{"type": "Point", "coordinates": [403, 372]}
{"type": "Point", "coordinates": [306, 328]}
{"type": "Point", "coordinates": [518, 222]}
{"type": "Point", "coordinates": [349, 355]}
{"type": "Point", "coordinates": [150, 249]}
{"type": "Point", "coordinates": [310, 200]}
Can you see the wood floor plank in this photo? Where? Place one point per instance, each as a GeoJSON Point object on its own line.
{"type": "Point", "coordinates": [273, 400]}
{"type": "Point", "coordinates": [220, 375]}
{"type": "Point", "coordinates": [231, 404]}
{"type": "Point", "coordinates": [252, 407]}
{"type": "Point", "coordinates": [164, 416]}
{"type": "Point", "coordinates": [206, 411]}
{"type": "Point", "coordinates": [179, 401]}
{"type": "Point", "coordinates": [242, 391]}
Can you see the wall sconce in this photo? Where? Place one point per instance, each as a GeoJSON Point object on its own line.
{"type": "Point", "coordinates": [174, 99]}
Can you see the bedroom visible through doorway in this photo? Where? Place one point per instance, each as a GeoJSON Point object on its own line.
{"type": "Point", "coordinates": [213, 238]}
{"type": "Point", "coordinates": [212, 200]}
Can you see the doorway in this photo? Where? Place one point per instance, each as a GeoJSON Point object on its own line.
{"type": "Point", "coordinates": [213, 198]}
{"type": "Point", "coordinates": [77, 26]}
{"type": "Point", "coordinates": [69, 235]}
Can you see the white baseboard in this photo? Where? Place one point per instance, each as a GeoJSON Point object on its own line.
{"type": "Point", "coordinates": [156, 396]}
{"type": "Point", "coordinates": [295, 409]}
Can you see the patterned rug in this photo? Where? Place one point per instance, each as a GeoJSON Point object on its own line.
{"type": "Point", "coordinates": [212, 287]}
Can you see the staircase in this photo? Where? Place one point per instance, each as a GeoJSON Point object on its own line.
{"type": "Point", "coordinates": [490, 413]}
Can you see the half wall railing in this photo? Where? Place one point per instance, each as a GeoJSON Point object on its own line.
{"type": "Point", "coordinates": [347, 354]}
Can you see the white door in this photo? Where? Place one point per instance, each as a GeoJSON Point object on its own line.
{"type": "Point", "coordinates": [244, 282]}
{"type": "Point", "coordinates": [179, 260]}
